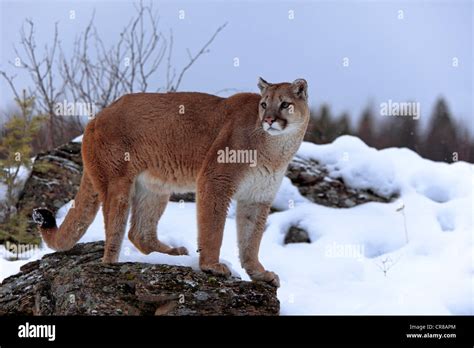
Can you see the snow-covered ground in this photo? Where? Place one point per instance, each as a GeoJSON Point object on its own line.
{"type": "Point", "coordinates": [412, 256]}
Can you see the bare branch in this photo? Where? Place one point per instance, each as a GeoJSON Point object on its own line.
{"type": "Point", "coordinates": [9, 80]}
{"type": "Point", "coordinates": [96, 73]}
{"type": "Point", "coordinates": [203, 50]}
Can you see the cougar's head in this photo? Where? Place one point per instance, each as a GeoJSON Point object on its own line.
{"type": "Point", "coordinates": [284, 106]}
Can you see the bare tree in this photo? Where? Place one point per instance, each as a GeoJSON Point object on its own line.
{"type": "Point", "coordinates": [96, 73]}
{"type": "Point", "coordinates": [47, 91]}
{"type": "Point", "coordinates": [128, 65]}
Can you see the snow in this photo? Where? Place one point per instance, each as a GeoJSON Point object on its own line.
{"type": "Point", "coordinates": [78, 139]}
{"type": "Point", "coordinates": [357, 164]}
{"type": "Point", "coordinates": [362, 260]}
{"type": "Point", "coordinates": [288, 196]}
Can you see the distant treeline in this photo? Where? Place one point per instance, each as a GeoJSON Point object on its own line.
{"type": "Point", "coordinates": [444, 138]}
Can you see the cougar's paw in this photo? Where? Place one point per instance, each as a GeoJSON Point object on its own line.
{"type": "Point", "coordinates": [44, 218]}
{"type": "Point", "coordinates": [268, 277]}
{"type": "Point", "coordinates": [218, 269]}
{"type": "Point", "coordinates": [179, 251]}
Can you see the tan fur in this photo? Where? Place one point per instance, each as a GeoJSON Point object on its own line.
{"type": "Point", "coordinates": [146, 146]}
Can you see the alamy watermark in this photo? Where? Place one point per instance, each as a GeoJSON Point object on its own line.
{"type": "Point", "coordinates": [237, 156]}
{"type": "Point", "coordinates": [337, 250]}
{"type": "Point", "coordinates": [20, 251]}
{"type": "Point", "coordinates": [406, 109]}
{"type": "Point", "coordinates": [37, 331]}
{"type": "Point", "coordinates": [67, 108]}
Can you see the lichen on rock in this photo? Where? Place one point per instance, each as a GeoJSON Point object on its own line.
{"type": "Point", "coordinates": [76, 282]}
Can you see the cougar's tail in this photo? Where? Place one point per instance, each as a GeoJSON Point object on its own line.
{"type": "Point", "coordinates": [78, 218]}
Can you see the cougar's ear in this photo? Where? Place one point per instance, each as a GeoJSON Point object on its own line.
{"type": "Point", "coordinates": [262, 85]}
{"type": "Point", "coordinates": [300, 88]}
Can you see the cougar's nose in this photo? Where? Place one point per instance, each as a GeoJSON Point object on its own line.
{"type": "Point", "coordinates": [269, 120]}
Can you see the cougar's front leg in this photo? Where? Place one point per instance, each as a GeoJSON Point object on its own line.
{"type": "Point", "coordinates": [251, 219]}
{"type": "Point", "coordinates": [213, 198]}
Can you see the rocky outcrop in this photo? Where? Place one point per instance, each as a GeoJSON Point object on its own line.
{"type": "Point", "coordinates": [54, 181]}
{"type": "Point", "coordinates": [75, 282]}
{"type": "Point", "coordinates": [314, 182]}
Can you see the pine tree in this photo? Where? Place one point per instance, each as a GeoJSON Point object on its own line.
{"type": "Point", "coordinates": [365, 130]}
{"type": "Point", "coordinates": [343, 126]}
{"type": "Point", "coordinates": [321, 129]}
{"type": "Point", "coordinates": [311, 134]}
{"type": "Point", "coordinates": [399, 132]}
{"type": "Point", "coordinates": [463, 145]}
{"type": "Point", "coordinates": [441, 139]}
{"type": "Point", "coordinates": [15, 149]}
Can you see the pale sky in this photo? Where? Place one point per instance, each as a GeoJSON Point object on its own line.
{"type": "Point", "coordinates": [409, 59]}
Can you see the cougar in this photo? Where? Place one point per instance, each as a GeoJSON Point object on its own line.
{"type": "Point", "coordinates": [146, 146]}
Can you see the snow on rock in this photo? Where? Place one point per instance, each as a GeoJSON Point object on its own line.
{"type": "Point", "coordinates": [78, 139]}
{"type": "Point", "coordinates": [313, 181]}
{"type": "Point", "coordinates": [360, 166]}
{"type": "Point", "coordinates": [409, 256]}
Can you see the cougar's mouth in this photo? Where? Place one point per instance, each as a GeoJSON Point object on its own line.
{"type": "Point", "coordinates": [275, 128]}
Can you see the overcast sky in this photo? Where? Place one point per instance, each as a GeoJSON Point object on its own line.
{"type": "Point", "coordinates": [389, 58]}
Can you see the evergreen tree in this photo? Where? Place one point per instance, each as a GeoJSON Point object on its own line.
{"type": "Point", "coordinates": [321, 129]}
{"type": "Point", "coordinates": [312, 132]}
{"type": "Point", "coordinates": [343, 126]}
{"type": "Point", "coordinates": [365, 130]}
{"type": "Point", "coordinates": [15, 148]}
{"type": "Point", "coordinates": [399, 132]}
{"type": "Point", "coordinates": [441, 138]}
{"type": "Point", "coordinates": [324, 125]}
{"type": "Point", "coordinates": [408, 133]}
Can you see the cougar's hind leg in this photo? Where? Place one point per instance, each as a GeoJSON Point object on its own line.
{"type": "Point", "coordinates": [147, 208]}
{"type": "Point", "coordinates": [115, 208]}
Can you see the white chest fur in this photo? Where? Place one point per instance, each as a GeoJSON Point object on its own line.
{"type": "Point", "coordinates": [258, 185]}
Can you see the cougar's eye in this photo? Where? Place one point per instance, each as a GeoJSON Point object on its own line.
{"type": "Point", "coordinates": [284, 105]}
{"type": "Point", "coordinates": [263, 105]}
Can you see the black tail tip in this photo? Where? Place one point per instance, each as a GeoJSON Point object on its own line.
{"type": "Point", "coordinates": [44, 218]}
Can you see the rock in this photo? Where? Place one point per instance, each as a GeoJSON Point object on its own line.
{"type": "Point", "coordinates": [313, 181]}
{"type": "Point", "coordinates": [183, 197]}
{"type": "Point", "coordinates": [54, 181]}
{"type": "Point", "coordinates": [75, 282]}
{"type": "Point", "coordinates": [296, 235]}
